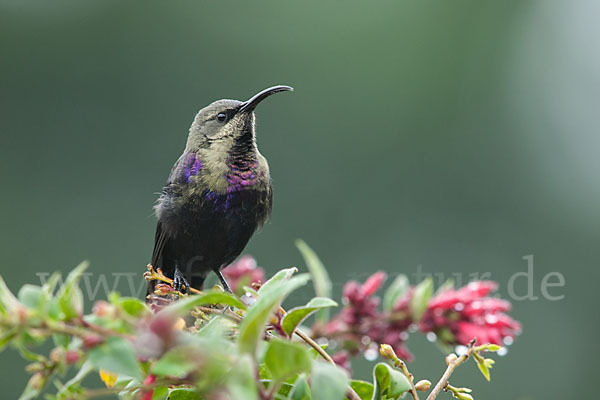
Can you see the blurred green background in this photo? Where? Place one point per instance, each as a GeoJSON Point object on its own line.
{"type": "Point", "coordinates": [459, 136]}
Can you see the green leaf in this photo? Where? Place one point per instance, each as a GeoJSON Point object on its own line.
{"type": "Point", "coordinates": [389, 383]}
{"type": "Point", "coordinates": [8, 302]}
{"type": "Point", "coordinates": [217, 326]}
{"type": "Point", "coordinates": [61, 340]}
{"type": "Point", "coordinates": [84, 371]}
{"type": "Point", "coordinates": [51, 307]}
{"type": "Point", "coordinates": [284, 359]}
{"type": "Point", "coordinates": [6, 336]}
{"type": "Point", "coordinates": [263, 372]}
{"type": "Point", "coordinates": [463, 396]}
{"type": "Point", "coordinates": [363, 389]}
{"type": "Point", "coordinates": [295, 316]}
{"type": "Point", "coordinates": [34, 299]}
{"type": "Point", "coordinates": [484, 364]}
{"type": "Point", "coordinates": [422, 294]}
{"type": "Point", "coordinates": [320, 278]}
{"type": "Point", "coordinates": [184, 394]}
{"type": "Point", "coordinates": [214, 297]}
{"type": "Point", "coordinates": [176, 362]}
{"type": "Point", "coordinates": [26, 353]}
{"type": "Point", "coordinates": [160, 393]}
{"type": "Point", "coordinates": [397, 290]}
{"type": "Point", "coordinates": [448, 285]}
{"type": "Point", "coordinates": [241, 383]}
{"type": "Point", "coordinates": [328, 382]}
{"type": "Point", "coordinates": [487, 347]}
{"type": "Point", "coordinates": [301, 390]}
{"type": "Point", "coordinates": [86, 368]}
{"type": "Point", "coordinates": [31, 296]}
{"type": "Point", "coordinates": [280, 276]}
{"type": "Point", "coordinates": [70, 298]}
{"type": "Point", "coordinates": [253, 292]}
{"type": "Point", "coordinates": [50, 285]}
{"type": "Point", "coordinates": [116, 355]}
{"type": "Point", "coordinates": [484, 367]}
{"type": "Point", "coordinates": [257, 316]}
{"type": "Point", "coordinates": [134, 307]}
{"type": "Point", "coordinates": [30, 392]}
{"type": "Point", "coordinates": [283, 392]}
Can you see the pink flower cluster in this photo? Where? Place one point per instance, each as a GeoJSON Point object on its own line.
{"type": "Point", "coordinates": [455, 316]}
{"type": "Point", "coordinates": [467, 313]}
{"type": "Point", "coordinates": [360, 323]}
{"type": "Point", "coordinates": [243, 272]}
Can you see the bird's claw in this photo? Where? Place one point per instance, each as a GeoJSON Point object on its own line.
{"type": "Point", "coordinates": [180, 284]}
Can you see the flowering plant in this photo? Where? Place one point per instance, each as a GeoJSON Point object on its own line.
{"type": "Point", "coordinates": [216, 345]}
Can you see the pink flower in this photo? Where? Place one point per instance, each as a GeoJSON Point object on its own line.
{"type": "Point", "coordinates": [147, 395]}
{"type": "Point", "coordinates": [342, 358]}
{"type": "Point", "coordinates": [455, 316]}
{"type": "Point", "coordinates": [360, 324]}
{"type": "Point", "coordinates": [467, 313]}
{"type": "Point", "coordinates": [373, 283]}
{"type": "Point", "coordinates": [243, 272]}
{"type": "Point", "coordinates": [360, 307]}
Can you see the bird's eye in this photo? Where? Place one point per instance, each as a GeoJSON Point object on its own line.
{"type": "Point", "coordinates": [221, 117]}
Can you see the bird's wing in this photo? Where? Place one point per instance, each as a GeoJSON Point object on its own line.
{"type": "Point", "coordinates": [160, 239]}
{"type": "Point", "coordinates": [188, 164]}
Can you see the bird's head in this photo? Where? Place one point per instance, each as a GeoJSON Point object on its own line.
{"type": "Point", "coordinates": [225, 123]}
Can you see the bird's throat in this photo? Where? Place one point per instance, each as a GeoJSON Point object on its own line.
{"type": "Point", "coordinates": [243, 151]}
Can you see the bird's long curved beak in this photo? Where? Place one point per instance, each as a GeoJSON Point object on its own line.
{"type": "Point", "coordinates": [250, 105]}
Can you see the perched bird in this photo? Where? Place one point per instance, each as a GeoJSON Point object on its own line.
{"type": "Point", "coordinates": [217, 195]}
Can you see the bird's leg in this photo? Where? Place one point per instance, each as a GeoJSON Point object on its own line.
{"type": "Point", "coordinates": [226, 287]}
{"type": "Point", "coordinates": [179, 282]}
{"type": "Point", "coordinates": [223, 281]}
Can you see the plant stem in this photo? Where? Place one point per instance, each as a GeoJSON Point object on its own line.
{"type": "Point", "coordinates": [352, 395]}
{"type": "Point", "coordinates": [59, 327]}
{"type": "Point", "coordinates": [314, 345]}
{"type": "Point", "coordinates": [227, 313]}
{"type": "Point", "coordinates": [413, 389]}
{"type": "Point", "coordinates": [451, 367]}
{"type": "Point", "coordinates": [102, 330]}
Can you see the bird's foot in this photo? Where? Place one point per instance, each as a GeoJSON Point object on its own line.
{"type": "Point", "coordinates": [180, 284]}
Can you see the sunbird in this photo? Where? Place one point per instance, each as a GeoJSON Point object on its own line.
{"type": "Point", "coordinates": [218, 194]}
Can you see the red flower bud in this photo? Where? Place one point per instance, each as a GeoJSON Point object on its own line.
{"type": "Point", "coordinates": [71, 357]}
{"type": "Point", "coordinates": [92, 340]}
{"type": "Point", "coordinates": [373, 283]}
